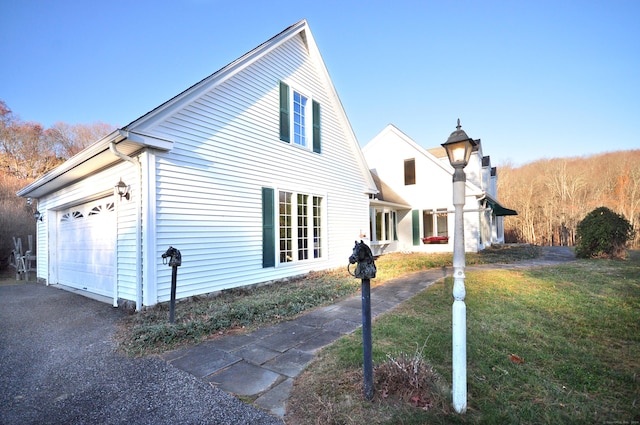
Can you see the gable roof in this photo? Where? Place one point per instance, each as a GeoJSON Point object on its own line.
{"type": "Point", "coordinates": [391, 129]}
{"type": "Point", "coordinates": [133, 137]}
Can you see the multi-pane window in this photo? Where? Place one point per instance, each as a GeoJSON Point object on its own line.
{"type": "Point", "coordinates": [299, 119]}
{"type": "Point", "coordinates": [286, 228]}
{"type": "Point", "coordinates": [442, 224]}
{"type": "Point", "coordinates": [385, 225]}
{"type": "Point", "coordinates": [435, 223]}
{"type": "Point", "coordinates": [317, 227]}
{"type": "Point", "coordinates": [303, 228]}
{"type": "Point", "coordinates": [295, 219]}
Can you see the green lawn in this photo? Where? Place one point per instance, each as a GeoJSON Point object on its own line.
{"type": "Point", "coordinates": [545, 346]}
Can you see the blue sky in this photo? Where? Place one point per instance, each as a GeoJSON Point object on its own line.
{"type": "Point", "coordinates": [532, 79]}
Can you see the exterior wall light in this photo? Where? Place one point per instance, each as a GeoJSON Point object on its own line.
{"type": "Point", "coordinates": [38, 215]}
{"type": "Point", "coordinates": [123, 190]}
{"type": "Point", "coordinates": [459, 147]}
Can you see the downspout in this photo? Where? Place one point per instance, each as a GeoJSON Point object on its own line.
{"type": "Point", "coordinates": [114, 150]}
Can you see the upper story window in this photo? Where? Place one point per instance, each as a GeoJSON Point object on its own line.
{"type": "Point", "coordinates": [303, 123]}
{"type": "Point", "coordinates": [409, 171]}
{"type": "Point", "coordinates": [299, 119]}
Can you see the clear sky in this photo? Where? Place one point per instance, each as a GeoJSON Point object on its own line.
{"type": "Point", "coordinates": [533, 79]}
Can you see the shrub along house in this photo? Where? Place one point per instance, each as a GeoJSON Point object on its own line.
{"type": "Point", "coordinates": [253, 173]}
{"type": "Point", "coordinates": [413, 209]}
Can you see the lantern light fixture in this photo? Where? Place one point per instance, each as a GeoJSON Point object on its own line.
{"type": "Point", "coordinates": [459, 147]}
{"type": "Point", "coordinates": [123, 190]}
{"type": "Point", "coordinates": [38, 215]}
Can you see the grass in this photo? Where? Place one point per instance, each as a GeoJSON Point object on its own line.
{"type": "Point", "coordinates": [236, 310]}
{"type": "Point", "coordinates": [548, 345]}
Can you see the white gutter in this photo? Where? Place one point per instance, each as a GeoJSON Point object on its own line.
{"type": "Point", "coordinates": [114, 150]}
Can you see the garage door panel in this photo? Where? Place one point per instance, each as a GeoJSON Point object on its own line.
{"type": "Point", "coordinates": [86, 246]}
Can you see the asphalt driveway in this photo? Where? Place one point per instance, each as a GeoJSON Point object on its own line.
{"type": "Point", "coordinates": [58, 366]}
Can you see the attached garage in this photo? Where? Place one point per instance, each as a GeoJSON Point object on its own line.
{"type": "Point", "coordinates": [86, 243]}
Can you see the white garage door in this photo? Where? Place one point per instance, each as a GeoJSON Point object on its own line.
{"type": "Point", "coordinates": [86, 246]}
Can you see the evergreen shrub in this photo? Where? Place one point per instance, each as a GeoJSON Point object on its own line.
{"type": "Point", "coordinates": [603, 233]}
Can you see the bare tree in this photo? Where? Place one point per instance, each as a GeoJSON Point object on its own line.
{"type": "Point", "coordinates": [24, 151]}
{"type": "Point", "coordinates": [553, 195]}
{"type": "Point", "coordinates": [28, 150]}
{"type": "Point", "coordinates": [69, 139]}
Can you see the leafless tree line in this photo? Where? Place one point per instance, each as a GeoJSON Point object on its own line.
{"type": "Point", "coordinates": [553, 195]}
{"type": "Point", "coordinates": [28, 149]}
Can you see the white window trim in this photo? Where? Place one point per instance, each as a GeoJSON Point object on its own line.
{"type": "Point", "coordinates": [387, 228]}
{"type": "Point", "coordinates": [294, 227]}
{"type": "Point", "coordinates": [308, 127]}
{"type": "Point", "coordinates": [434, 217]}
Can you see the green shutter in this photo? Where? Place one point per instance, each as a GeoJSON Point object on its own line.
{"type": "Point", "coordinates": [415, 223]}
{"type": "Point", "coordinates": [284, 113]}
{"type": "Point", "coordinates": [394, 223]}
{"type": "Point", "coordinates": [268, 228]}
{"type": "Point", "coordinates": [317, 145]}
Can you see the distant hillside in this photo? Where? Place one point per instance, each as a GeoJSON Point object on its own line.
{"type": "Point", "coordinates": [553, 195]}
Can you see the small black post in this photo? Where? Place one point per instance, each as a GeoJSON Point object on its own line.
{"type": "Point", "coordinates": [366, 339]}
{"type": "Point", "coordinates": [172, 305]}
{"type": "Point", "coordinates": [174, 258]}
{"type": "Point", "coordinates": [365, 270]}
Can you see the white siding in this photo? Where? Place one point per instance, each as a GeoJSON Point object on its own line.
{"type": "Point", "coordinates": [204, 196]}
{"type": "Point", "coordinates": [226, 148]}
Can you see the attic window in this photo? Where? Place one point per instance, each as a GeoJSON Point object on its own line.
{"type": "Point", "coordinates": [299, 119]}
{"type": "Point", "coordinates": [303, 122]}
{"type": "Point", "coordinates": [409, 171]}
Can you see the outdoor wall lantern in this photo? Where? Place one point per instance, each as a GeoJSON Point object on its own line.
{"type": "Point", "coordinates": [123, 190]}
{"type": "Point", "coordinates": [38, 215]}
{"type": "Point", "coordinates": [459, 147]}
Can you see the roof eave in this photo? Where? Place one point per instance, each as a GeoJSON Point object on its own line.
{"type": "Point", "coordinates": [377, 202]}
{"type": "Point", "coordinates": [92, 159]}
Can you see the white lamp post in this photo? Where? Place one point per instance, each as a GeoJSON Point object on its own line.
{"type": "Point", "coordinates": [459, 147]}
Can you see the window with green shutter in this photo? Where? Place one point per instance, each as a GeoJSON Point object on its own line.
{"type": "Point", "coordinates": [297, 120]}
{"type": "Point", "coordinates": [300, 219]}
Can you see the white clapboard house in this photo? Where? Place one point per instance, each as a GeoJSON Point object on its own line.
{"type": "Point", "coordinates": [254, 174]}
{"type": "Point", "coordinates": [413, 209]}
